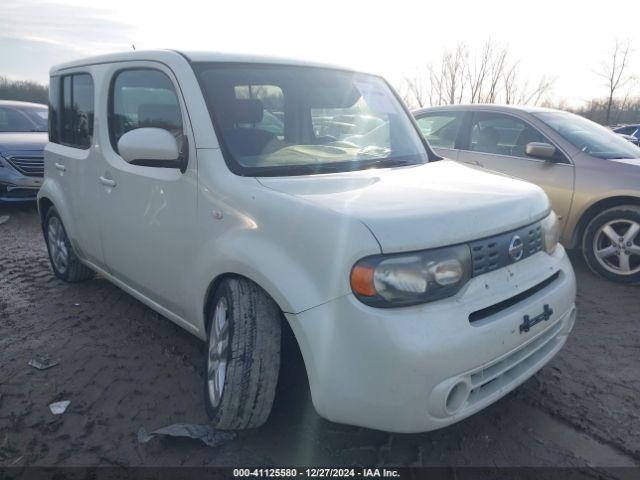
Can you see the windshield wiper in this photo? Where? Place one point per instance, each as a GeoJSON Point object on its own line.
{"type": "Point", "coordinates": [391, 162]}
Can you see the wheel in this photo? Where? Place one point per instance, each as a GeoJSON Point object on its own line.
{"type": "Point", "coordinates": [243, 355]}
{"type": "Point", "coordinates": [64, 261]}
{"type": "Point", "coordinates": [611, 244]}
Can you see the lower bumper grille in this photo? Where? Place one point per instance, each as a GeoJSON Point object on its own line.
{"type": "Point", "coordinates": [490, 379]}
{"type": "Point", "coordinates": [8, 192]}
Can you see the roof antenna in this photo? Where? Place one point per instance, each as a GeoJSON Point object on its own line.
{"type": "Point", "coordinates": [133, 45]}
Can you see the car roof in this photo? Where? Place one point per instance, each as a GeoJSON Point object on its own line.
{"type": "Point", "coordinates": [487, 107]}
{"type": "Point", "coordinates": [192, 56]}
{"type": "Point", "coordinates": [15, 103]}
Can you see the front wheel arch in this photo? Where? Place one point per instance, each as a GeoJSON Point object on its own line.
{"type": "Point", "coordinates": [595, 209]}
{"type": "Point", "coordinates": [44, 204]}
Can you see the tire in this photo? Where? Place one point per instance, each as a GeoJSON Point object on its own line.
{"type": "Point", "coordinates": [55, 236]}
{"type": "Point", "coordinates": [246, 348]}
{"type": "Point", "coordinates": [609, 243]}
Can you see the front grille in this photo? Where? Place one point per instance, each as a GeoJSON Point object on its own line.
{"type": "Point", "coordinates": [30, 166]}
{"type": "Point", "coordinates": [492, 253]}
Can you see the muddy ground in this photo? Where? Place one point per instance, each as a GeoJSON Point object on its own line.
{"type": "Point", "coordinates": [122, 367]}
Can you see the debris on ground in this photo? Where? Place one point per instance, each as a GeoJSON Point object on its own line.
{"type": "Point", "coordinates": [206, 434]}
{"type": "Point", "coordinates": [58, 408]}
{"type": "Point", "coordinates": [4, 219]}
{"type": "Point", "coordinates": [42, 363]}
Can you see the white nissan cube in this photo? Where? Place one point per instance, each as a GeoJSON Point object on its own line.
{"type": "Point", "coordinates": [236, 194]}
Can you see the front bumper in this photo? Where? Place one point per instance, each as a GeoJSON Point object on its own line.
{"type": "Point", "coordinates": [425, 367]}
{"type": "Point", "coordinates": [16, 187]}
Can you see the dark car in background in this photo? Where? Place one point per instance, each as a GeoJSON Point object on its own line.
{"type": "Point", "coordinates": [629, 132]}
{"type": "Point", "coordinates": [23, 136]}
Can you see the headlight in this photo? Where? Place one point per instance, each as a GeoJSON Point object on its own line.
{"type": "Point", "coordinates": [408, 279]}
{"type": "Point", "coordinates": [550, 233]}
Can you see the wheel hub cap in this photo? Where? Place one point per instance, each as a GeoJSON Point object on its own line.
{"type": "Point", "coordinates": [616, 246]}
{"type": "Point", "coordinates": [57, 245]}
{"type": "Point", "coordinates": [218, 349]}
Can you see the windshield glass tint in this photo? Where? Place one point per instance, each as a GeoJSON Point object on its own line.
{"type": "Point", "coordinates": [15, 119]}
{"type": "Point", "coordinates": [588, 136]}
{"type": "Point", "coordinates": [289, 120]}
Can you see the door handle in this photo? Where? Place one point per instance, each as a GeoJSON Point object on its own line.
{"type": "Point", "coordinates": [107, 182]}
{"type": "Point", "coordinates": [473, 162]}
{"type": "Point", "coordinates": [60, 167]}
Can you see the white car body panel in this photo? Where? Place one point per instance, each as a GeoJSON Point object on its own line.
{"type": "Point", "coordinates": [166, 236]}
{"type": "Point", "coordinates": [403, 205]}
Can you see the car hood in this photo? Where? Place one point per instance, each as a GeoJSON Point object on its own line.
{"type": "Point", "coordinates": [627, 161]}
{"type": "Point", "coordinates": [424, 206]}
{"type": "Point", "coordinates": [19, 141]}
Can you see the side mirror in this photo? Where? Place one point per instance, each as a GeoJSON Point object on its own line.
{"type": "Point", "coordinates": [540, 150]}
{"type": "Point", "coordinates": [153, 147]}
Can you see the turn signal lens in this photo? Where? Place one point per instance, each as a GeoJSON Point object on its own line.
{"type": "Point", "coordinates": [362, 281]}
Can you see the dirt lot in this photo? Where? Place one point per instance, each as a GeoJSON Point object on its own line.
{"type": "Point", "coordinates": [122, 367]}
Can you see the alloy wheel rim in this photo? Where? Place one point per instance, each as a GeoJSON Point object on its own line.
{"type": "Point", "coordinates": [217, 355]}
{"type": "Point", "coordinates": [616, 246]}
{"type": "Point", "coordinates": [57, 245]}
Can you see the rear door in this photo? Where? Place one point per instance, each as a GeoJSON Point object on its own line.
{"type": "Point", "coordinates": [72, 160]}
{"type": "Point", "coordinates": [148, 213]}
{"type": "Point", "coordinates": [497, 141]}
{"type": "Point", "coordinates": [441, 129]}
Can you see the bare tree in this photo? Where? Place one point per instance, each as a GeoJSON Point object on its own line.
{"type": "Point", "coordinates": [478, 71]}
{"type": "Point", "coordinates": [484, 76]}
{"type": "Point", "coordinates": [518, 92]}
{"type": "Point", "coordinates": [615, 72]}
{"type": "Point", "coordinates": [415, 91]}
{"type": "Point", "coordinates": [448, 78]}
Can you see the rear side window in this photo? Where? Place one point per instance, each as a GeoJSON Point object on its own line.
{"type": "Point", "coordinates": [13, 120]}
{"type": "Point", "coordinates": [143, 98]}
{"type": "Point", "coordinates": [440, 129]}
{"type": "Point", "coordinates": [71, 102]}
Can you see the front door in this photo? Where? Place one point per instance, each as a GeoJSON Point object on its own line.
{"type": "Point", "coordinates": [148, 213]}
{"type": "Point", "coordinates": [497, 142]}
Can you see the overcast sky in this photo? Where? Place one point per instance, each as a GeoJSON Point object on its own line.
{"type": "Point", "coordinates": [563, 39]}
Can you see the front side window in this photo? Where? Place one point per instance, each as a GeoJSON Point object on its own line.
{"type": "Point", "coordinates": [291, 120]}
{"type": "Point", "coordinates": [75, 112]}
{"type": "Point", "coordinates": [588, 136]}
{"type": "Point", "coordinates": [441, 128]}
{"type": "Point", "coordinates": [502, 134]}
{"type": "Point", "coordinates": [144, 98]}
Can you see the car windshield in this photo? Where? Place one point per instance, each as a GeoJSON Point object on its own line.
{"type": "Point", "coordinates": [23, 119]}
{"type": "Point", "coordinates": [292, 120]}
{"type": "Point", "coordinates": [588, 136]}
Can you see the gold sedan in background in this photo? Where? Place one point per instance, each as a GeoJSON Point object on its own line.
{"type": "Point", "coordinates": [591, 175]}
